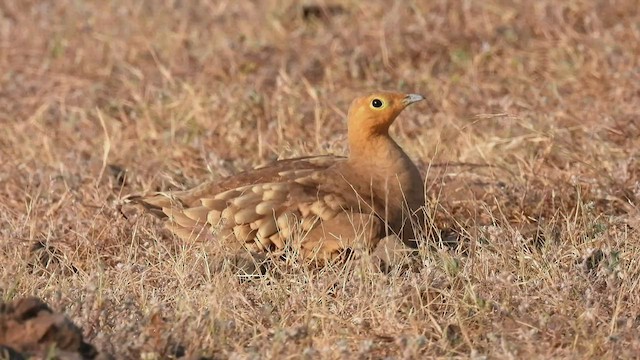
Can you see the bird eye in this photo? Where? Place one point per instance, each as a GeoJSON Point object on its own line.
{"type": "Point", "coordinates": [376, 103]}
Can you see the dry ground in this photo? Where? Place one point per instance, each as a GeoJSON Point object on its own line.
{"type": "Point", "coordinates": [543, 96]}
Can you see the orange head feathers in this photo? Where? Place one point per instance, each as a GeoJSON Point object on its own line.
{"type": "Point", "coordinates": [371, 116]}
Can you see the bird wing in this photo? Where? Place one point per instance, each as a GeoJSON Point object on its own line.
{"type": "Point", "coordinates": [262, 209]}
{"type": "Point", "coordinates": [277, 171]}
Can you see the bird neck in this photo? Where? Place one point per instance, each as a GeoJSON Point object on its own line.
{"type": "Point", "coordinates": [391, 172]}
{"type": "Point", "coordinates": [381, 157]}
{"type": "Point", "coordinates": [377, 148]}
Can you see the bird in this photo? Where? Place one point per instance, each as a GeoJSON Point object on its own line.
{"type": "Point", "coordinates": [319, 206]}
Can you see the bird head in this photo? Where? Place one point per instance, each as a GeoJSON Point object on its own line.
{"type": "Point", "coordinates": [372, 115]}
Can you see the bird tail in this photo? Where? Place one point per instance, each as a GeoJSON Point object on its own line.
{"type": "Point", "coordinates": [152, 203]}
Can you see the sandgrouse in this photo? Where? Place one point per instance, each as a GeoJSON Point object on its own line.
{"type": "Point", "coordinates": [317, 205]}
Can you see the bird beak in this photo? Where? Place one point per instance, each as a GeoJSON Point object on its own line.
{"type": "Point", "coordinates": [411, 98]}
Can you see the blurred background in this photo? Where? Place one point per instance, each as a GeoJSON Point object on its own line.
{"type": "Point", "coordinates": [202, 77]}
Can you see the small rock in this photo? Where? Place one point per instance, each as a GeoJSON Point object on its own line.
{"type": "Point", "coordinates": [28, 327]}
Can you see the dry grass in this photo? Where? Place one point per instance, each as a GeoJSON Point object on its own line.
{"type": "Point", "coordinates": [548, 92]}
